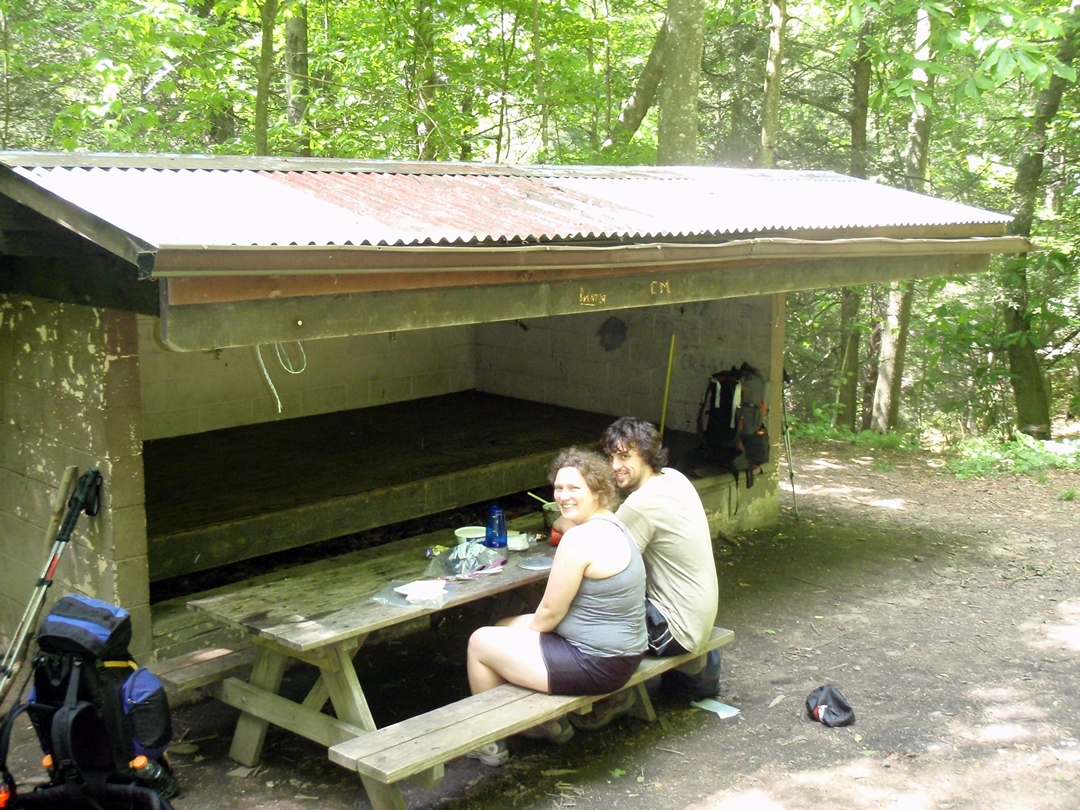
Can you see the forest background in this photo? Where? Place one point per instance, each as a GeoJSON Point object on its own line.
{"type": "Point", "coordinates": [973, 100]}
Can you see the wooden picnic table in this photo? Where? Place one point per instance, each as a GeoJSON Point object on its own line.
{"type": "Point", "coordinates": [320, 614]}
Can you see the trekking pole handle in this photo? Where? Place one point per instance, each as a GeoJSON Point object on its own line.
{"type": "Point", "coordinates": [86, 498]}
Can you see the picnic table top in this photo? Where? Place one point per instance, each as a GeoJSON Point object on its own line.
{"type": "Point", "coordinates": [328, 601]}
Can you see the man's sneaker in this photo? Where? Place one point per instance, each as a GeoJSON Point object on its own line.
{"type": "Point", "coordinates": [493, 754]}
{"type": "Point", "coordinates": [557, 731]}
{"type": "Point", "coordinates": [606, 710]}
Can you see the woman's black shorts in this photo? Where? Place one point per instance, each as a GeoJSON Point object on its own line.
{"type": "Point", "coordinates": [572, 672]}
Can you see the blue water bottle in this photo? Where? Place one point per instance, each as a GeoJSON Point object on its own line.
{"type": "Point", "coordinates": [496, 528]}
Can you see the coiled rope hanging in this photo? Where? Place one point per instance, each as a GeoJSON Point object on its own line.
{"type": "Point", "coordinates": [286, 363]}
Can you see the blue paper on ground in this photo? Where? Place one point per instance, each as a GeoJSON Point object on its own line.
{"type": "Point", "coordinates": [722, 710]}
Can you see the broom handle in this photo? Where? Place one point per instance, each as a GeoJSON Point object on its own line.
{"type": "Point", "coordinates": [667, 385]}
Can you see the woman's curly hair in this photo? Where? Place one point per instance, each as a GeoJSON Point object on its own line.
{"type": "Point", "coordinates": [594, 468]}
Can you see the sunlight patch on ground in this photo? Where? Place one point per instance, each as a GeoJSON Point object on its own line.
{"type": "Point", "coordinates": [1062, 632]}
{"type": "Point", "coordinates": [1020, 777]}
{"type": "Point", "coordinates": [889, 503]}
{"type": "Point", "coordinates": [820, 490]}
{"type": "Point", "coordinates": [754, 800]}
{"type": "Point", "coordinates": [1002, 732]}
{"type": "Point", "coordinates": [1002, 712]}
{"type": "Point", "coordinates": [825, 464]}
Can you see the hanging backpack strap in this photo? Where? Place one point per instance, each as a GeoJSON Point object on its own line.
{"type": "Point", "coordinates": [706, 404]}
{"type": "Point", "coordinates": [62, 722]}
{"type": "Point", "coordinates": [105, 691]}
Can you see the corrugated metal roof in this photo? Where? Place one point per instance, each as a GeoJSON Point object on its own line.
{"type": "Point", "coordinates": [180, 201]}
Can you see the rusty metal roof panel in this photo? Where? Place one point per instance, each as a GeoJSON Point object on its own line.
{"type": "Point", "coordinates": [263, 202]}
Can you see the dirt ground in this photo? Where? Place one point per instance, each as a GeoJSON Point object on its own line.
{"type": "Point", "coordinates": [946, 612]}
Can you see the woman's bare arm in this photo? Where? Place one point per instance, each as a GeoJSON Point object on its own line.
{"type": "Point", "coordinates": [562, 586]}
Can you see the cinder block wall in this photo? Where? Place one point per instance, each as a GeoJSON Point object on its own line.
{"type": "Point", "coordinates": [616, 363]}
{"type": "Point", "coordinates": [69, 396]}
{"type": "Point", "coordinates": [193, 392]}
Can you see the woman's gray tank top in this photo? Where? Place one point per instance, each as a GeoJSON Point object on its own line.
{"type": "Point", "coordinates": [607, 616]}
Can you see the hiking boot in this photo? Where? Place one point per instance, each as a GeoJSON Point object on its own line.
{"type": "Point", "coordinates": [604, 711]}
{"type": "Point", "coordinates": [493, 754]}
{"type": "Point", "coordinates": [557, 731]}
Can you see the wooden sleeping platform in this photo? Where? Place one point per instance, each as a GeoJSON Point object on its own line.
{"type": "Point", "coordinates": [227, 495]}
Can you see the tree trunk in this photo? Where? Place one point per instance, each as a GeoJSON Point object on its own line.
{"type": "Point", "coordinates": [268, 16]}
{"type": "Point", "coordinates": [539, 64]}
{"type": "Point", "coordinates": [424, 78]}
{"type": "Point", "coordinates": [1026, 378]}
{"type": "Point", "coordinates": [847, 398]}
{"type": "Point", "coordinates": [860, 101]}
{"type": "Point", "coordinates": [633, 112]}
{"type": "Point", "coordinates": [886, 406]}
{"type": "Point", "coordinates": [847, 395]}
{"type": "Point", "coordinates": [296, 57]}
{"type": "Point", "coordinates": [870, 375]}
{"type": "Point", "coordinates": [770, 108]}
{"type": "Point", "coordinates": [677, 137]}
{"type": "Point", "coordinates": [886, 409]}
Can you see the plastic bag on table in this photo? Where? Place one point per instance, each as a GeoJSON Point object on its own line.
{"type": "Point", "coordinates": [419, 593]}
{"type": "Point", "coordinates": [465, 560]}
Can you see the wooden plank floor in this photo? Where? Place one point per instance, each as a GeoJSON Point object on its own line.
{"type": "Point", "coordinates": [227, 495]}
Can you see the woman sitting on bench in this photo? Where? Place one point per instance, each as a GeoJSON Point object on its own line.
{"type": "Point", "coordinates": [587, 637]}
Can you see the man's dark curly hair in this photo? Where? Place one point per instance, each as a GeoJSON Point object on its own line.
{"type": "Point", "coordinates": [594, 468]}
{"type": "Point", "coordinates": [631, 433]}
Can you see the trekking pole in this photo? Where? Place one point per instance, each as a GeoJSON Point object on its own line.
{"type": "Point", "coordinates": [86, 498]}
{"type": "Point", "coordinates": [787, 442]}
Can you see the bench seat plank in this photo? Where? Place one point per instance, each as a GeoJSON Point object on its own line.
{"type": "Point", "coordinates": [201, 668]}
{"type": "Point", "coordinates": [414, 745]}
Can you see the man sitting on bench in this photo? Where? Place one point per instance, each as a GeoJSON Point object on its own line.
{"type": "Point", "coordinates": [664, 515]}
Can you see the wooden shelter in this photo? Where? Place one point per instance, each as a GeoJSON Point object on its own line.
{"type": "Point", "coordinates": [453, 325]}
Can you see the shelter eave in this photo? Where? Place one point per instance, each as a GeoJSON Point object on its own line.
{"type": "Point", "coordinates": [173, 261]}
{"type": "Point", "coordinates": [89, 226]}
{"type": "Point", "coordinates": [250, 313]}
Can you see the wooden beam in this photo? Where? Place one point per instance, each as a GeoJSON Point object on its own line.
{"type": "Point", "coordinates": [213, 326]}
{"type": "Point", "coordinates": [99, 280]}
{"type": "Point", "coordinates": [321, 728]}
{"type": "Point", "coordinates": [174, 261]}
{"type": "Point", "coordinates": [91, 227]}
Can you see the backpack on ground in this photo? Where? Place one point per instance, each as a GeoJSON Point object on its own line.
{"type": "Point", "coordinates": [102, 721]}
{"type": "Point", "coordinates": [731, 422]}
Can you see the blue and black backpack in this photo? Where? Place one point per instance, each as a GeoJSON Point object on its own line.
{"type": "Point", "coordinates": [102, 721]}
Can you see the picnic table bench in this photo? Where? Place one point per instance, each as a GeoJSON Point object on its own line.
{"type": "Point", "coordinates": [417, 748]}
{"type": "Point", "coordinates": [321, 613]}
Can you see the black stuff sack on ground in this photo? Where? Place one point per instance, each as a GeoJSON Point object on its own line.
{"type": "Point", "coordinates": [826, 705]}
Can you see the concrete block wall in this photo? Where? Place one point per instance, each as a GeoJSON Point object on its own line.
{"type": "Point", "coordinates": [69, 396]}
{"type": "Point", "coordinates": [616, 362]}
{"type": "Point", "coordinates": [193, 392]}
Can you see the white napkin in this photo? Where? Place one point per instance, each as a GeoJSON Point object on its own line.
{"type": "Point", "coordinates": [422, 590]}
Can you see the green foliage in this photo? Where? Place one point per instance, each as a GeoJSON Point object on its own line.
{"type": "Point", "coordinates": [887, 441]}
{"type": "Point", "coordinates": [821, 429]}
{"type": "Point", "coordinates": [987, 456]}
